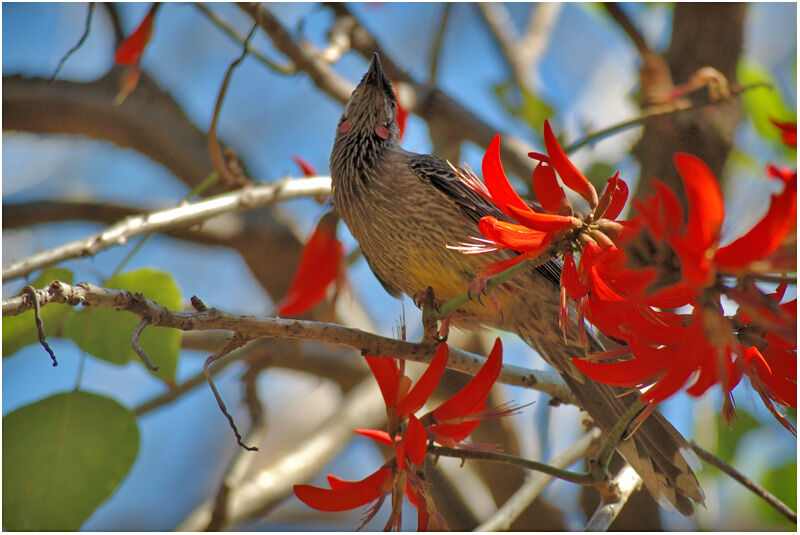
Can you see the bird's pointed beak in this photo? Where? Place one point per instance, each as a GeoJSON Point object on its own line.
{"type": "Point", "coordinates": [375, 73]}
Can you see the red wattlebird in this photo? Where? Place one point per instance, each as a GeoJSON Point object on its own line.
{"type": "Point", "coordinates": [405, 209]}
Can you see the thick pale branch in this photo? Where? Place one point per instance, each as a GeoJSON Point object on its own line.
{"type": "Point", "coordinates": [247, 198]}
{"type": "Point", "coordinates": [363, 407]}
{"type": "Point", "coordinates": [616, 496]}
{"type": "Point", "coordinates": [253, 327]}
{"type": "Point", "coordinates": [535, 483]}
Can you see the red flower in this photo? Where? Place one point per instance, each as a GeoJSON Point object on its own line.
{"type": "Point", "coordinates": [788, 132]}
{"type": "Point", "coordinates": [305, 166]}
{"type": "Point", "coordinates": [320, 266]}
{"type": "Point", "coordinates": [402, 116]}
{"type": "Point", "coordinates": [130, 53]}
{"type": "Point", "coordinates": [449, 423]}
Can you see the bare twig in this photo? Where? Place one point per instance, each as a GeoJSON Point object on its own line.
{"type": "Point", "coordinates": [196, 380]}
{"type": "Point", "coordinates": [535, 483]}
{"type": "Point", "coordinates": [235, 342]}
{"type": "Point", "coordinates": [138, 349]}
{"type": "Point", "coordinates": [436, 48]}
{"type": "Point", "coordinates": [240, 467]}
{"type": "Point", "coordinates": [37, 315]}
{"type": "Point", "coordinates": [627, 26]}
{"type": "Point", "coordinates": [361, 408]}
{"type": "Point", "coordinates": [659, 112]}
{"type": "Point", "coordinates": [225, 174]}
{"type": "Point", "coordinates": [748, 483]}
{"type": "Point", "coordinates": [247, 198]}
{"type": "Point", "coordinates": [233, 34]}
{"type": "Point", "coordinates": [615, 496]}
{"type": "Point", "coordinates": [79, 43]}
{"type": "Point", "coordinates": [252, 327]}
{"type": "Point", "coordinates": [579, 478]}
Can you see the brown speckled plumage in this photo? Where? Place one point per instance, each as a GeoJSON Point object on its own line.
{"type": "Point", "coordinates": [405, 209]}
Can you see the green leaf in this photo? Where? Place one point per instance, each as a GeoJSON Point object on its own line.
{"type": "Point", "coordinates": [20, 331]}
{"type": "Point", "coordinates": [106, 333]}
{"type": "Point", "coordinates": [763, 104]}
{"type": "Point", "coordinates": [782, 482]}
{"type": "Point", "coordinates": [521, 103]}
{"type": "Point", "coordinates": [598, 174]}
{"type": "Point", "coordinates": [62, 457]}
{"type": "Point", "coordinates": [728, 438]}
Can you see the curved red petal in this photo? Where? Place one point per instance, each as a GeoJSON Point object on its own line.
{"type": "Point", "coordinates": [539, 221]}
{"type": "Point", "coordinates": [451, 433]}
{"type": "Point", "coordinates": [706, 207]}
{"type": "Point", "coordinates": [131, 49]}
{"type": "Point", "coordinates": [496, 181]}
{"type": "Point", "coordinates": [569, 278]}
{"type": "Point", "coordinates": [416, 441]}
{"type": "Point", "coordinates": [546, 188]}
{"type": "Point", "coordinates": [472, 397]}
{"type": "Point", "coordinates": [766, 236]}
{"type": "Point", "coordinates": [377, 435]}
{"type": "Point", "coordinates": [347, 497]}
{"type": "Point", "coordinates": [419, 394]}
{"type": "Point", "coordinates": [338, 483]}
{"type": "Point", "coordinates": [572, 178]}
{"type": "Point", "coordinates": [387, 374]}
{"type": "Point", "coordinates": [619, 197]}
{"type": "Point", "coordinates": [305, 166]}
{"type": "Point", "coordinates": [320, 266]}
{"type": "Point", "coordinates": [624, 373]}
{"type": "Point", "coordinates": [512, 236]}
{"type": "Point", "coordinates": [670, 383]}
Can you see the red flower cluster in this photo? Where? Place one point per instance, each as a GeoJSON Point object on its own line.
{"type": "Point", "coordinates": [450, 423]}
{"type": "Point", "coordinates": [628, 300]}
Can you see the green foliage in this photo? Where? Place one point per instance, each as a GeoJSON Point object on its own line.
{"type": "Point", "coordinates": [20, 331]}
{"type": "Point", "coordinates": [106, 333]}
{"type": "Point", "coordinates": [523, 104]}
{"type": "Point", "coordinates": [62, 457]}
{"type": "Point", "coordinates": [598, 174]}
{"type": "Point", "coordinates": [782, 482]}
{"type": "Point", "coordinates": [762, 104]}
{"type": "Point", "coordinates": [728, 438]}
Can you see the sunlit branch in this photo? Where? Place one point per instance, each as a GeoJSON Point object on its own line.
{"type": "Point", "coordinates": [535, 483]}
{"type": "Point", "coordinates": [615, 496]}
{"type": "Point", "coordinates": [253, 327]}
{"type": "Point", "coordinates": [253, 196]}
{"type": "Point", "coordinates": [635, 121]}
{"type": "Point", "coordinates": [362, 407]}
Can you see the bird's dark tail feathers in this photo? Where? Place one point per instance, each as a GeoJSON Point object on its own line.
{"type": "Point", "coordinates": [657, 451]}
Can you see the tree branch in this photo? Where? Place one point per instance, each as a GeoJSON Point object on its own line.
{"type": "Point", "coordinates": [428, 102]}
{"type": "Point", "coordinates": [746, 482]}
{"type": "Point", "coordinates": [534, 484]}
{"type": "Point", "coordinates": [615, 497]}
{"type": "Point", "coordinates": [247, 198]}
{"type": "Point", "coordinates": [363, 407]}
{"type": "Point", "coordinates": [253, 327]}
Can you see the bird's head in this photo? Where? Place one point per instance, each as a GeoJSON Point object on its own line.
{"type": "Point", "coordinates": [372, 110]}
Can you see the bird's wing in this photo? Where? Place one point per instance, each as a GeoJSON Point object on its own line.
{"type": "Point", "coordinates": [438, 173]}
